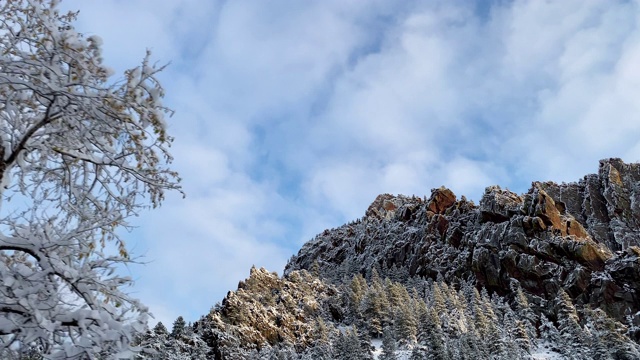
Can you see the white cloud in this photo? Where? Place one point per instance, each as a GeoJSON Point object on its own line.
{"type": "Point", "coordinates": [292, 117]}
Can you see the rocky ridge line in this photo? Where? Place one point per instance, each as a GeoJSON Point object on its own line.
{"type": "Point", "coordinates": [583, 237]}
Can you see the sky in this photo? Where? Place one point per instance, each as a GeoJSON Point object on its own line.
{"type": "Point", "coordinates": [292, 116]}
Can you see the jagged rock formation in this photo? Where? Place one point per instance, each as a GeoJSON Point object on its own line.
{"type": "Point", "coordinates": [553, 271]}
{"type": "Point", "coordinates": [582, 237]}
{"type": "Point", "coordinates": [266, 309]}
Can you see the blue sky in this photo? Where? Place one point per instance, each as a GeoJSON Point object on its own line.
{"type": "Point", "coordinates": [292, 116]}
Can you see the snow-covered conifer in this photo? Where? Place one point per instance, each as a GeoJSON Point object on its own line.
{"type": "Point", "coordinates": [549, 332]}
{"type": "Point", "coordinates": [389, 346]}
{"type": "Point", "coordinates": [525, 313]}
{"type": "Point", "coordinates": [406, 325]}
{"type": "Point", "coordinates": [160, 329]}
{"type": "Point", "coordinates": [434, 336]}
{"type": "Point", "coordinates": [608, 337]}
{"type": "Point", "coordinates": [366, 349]}
{"type": "Point", "coordinates": [178, 327]}
{"type": "Point", "coordinates": [357, 291]}
{"type": "Point", "coordinates": [571, 333]}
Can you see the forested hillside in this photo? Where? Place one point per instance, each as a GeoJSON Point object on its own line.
{"type": "Point", "coordinates": [553, 273]}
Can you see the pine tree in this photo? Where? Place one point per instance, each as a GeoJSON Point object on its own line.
{"type": "Point", "coordinates": [495, 338]}
{"type": "Point", "coordinates": [517, 332]}
{"type": "Point", "coordinates": [481, 322]}
{"type": "Point", "coordinates": [571, 333]}
{"type": "Point", "coordinates": [439, 304]}
{"type": "Point", "coordinates": [608, 338]}
{"type": "Point", "coordinates": [432, 330]}
{"type": "Point", "coordinates": [468, 346]}
{"type": "Point", "coordinates": [549, 333]}
{"type": "Point", "coordinates": [178, 327]}
{"type": "Point", "coordinates": [366, 349]}
{"type": "Point", "coordinates": [526, 314]}
{"type": "Point", "coordinates": [458, 310]}
{"type": "Point", "coordinates": [487, 325]}
{"type": "Point", "coordinates": [389, 346]}
{"type": "Point", "coordinates": [321, 349]}
{"type": "Point", "coordinates": [357, 289]}
{"type": "Point", "coordinates": [321, 331]}
{"type": "Point", "coordinates": [397, 294]}
{"type": "Point", "coordinates": [406, 325]}
{"type": "Point", "coordinates": [375, 307]}
{"type": "Point", "coordinates": [160, 329]}
{"type": "Point", "coordinates": [347, 346]}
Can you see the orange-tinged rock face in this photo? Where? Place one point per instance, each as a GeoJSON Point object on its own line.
{"type": "Point", "coordinates": [441, 199]}
{"type": "Point", "coordinates": [550, 212]}
{"type": "Point", "coordinates": [614, 176]}
{"type": "Point", "coordinates": [589, 253]}
{"type": "Point", "coordinates": [546, 209]}
{"type": "Point", "coordinates": [389, 205]}
{"type": "Point", "coordinates": [576, 229]}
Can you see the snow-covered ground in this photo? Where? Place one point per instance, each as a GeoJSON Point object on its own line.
{"type": "Point", "coordinates": [542, 352]}
{"type": "Point", "coordinates": [377, 343]}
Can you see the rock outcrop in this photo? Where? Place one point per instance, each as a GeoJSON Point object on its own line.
{"type": "Point", "coordinates": [582, 237]}
{"type": "Point", "coordinates": [266, 310]}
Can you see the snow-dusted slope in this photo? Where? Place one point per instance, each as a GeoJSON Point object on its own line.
{"type": "Point", "coordinates": [581, 237]}
{"type": "Point", "coordinates": [550, 274]}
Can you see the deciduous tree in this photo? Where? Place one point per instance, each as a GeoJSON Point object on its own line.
{"type": "Point", "coordinates": [80, 155]}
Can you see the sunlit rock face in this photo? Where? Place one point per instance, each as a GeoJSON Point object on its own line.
{"type": "Point", "coordinates": [583, 237]}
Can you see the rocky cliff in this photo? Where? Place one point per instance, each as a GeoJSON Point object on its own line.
{"type": "Point", "coordinates": [582, 237]}
{"type": "Point", "coordinates": [552, 273]}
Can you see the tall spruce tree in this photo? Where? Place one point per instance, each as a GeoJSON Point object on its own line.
{"type": "Point", "coordinates": [525, 313]}
{"type": "Point", "coordinates": [375, 307]}
{"type": "Point", "coordinates": [160, 329]}
{"type": "Point", "coordinates": [435, 338]}
{"type": "Point", "coordinates": [389, 346]}
{"type": "Point", "coordinates": [571, 334]}
{"type": "Point", "coordinates": [178, 327]}
{"type": "Point", "coordinates": [607, 337]}
{"type": "Point", "coordinates": [405, 325]}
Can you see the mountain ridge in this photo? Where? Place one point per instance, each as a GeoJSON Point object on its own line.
{"type": "Point", "coordinates": [580, 236]}
{"type": "Point", "coordinates": [551, 273]}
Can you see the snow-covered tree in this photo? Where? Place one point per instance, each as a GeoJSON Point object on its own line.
{"type": "Point", "coordinates": [525, 313]}
{"type": "Point", "coordinates": [160, 329]}
{"type": "Point", "coordinates": [406, 325]}
{"type": "Point", "coordinates": [178, 327]}
{"type": "Point", "coordinates": [607, 337]}
{"type": "Point", "coordinates": [549, 334]}
{"type": "Point", "coordinates": [347, 346]}
{"type": "Point", "coordinates": [389, 346]}
{"type": "Point", "coordinates": [375, 306]}
{"type": "Point", "coordinates": [433, 336]}
{"type": "Point", "coordinates": [79, 155]}
{"type": "Point", "coordinates": [419, 353]}
{"type": "Point", "coordinates": [571, 334]}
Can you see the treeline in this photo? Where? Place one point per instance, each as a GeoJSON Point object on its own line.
{"type": "Point", "coordinates": [428, 320]}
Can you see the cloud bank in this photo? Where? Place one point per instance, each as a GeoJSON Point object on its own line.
{"type": "Point", "coordinates": [292, 116]}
